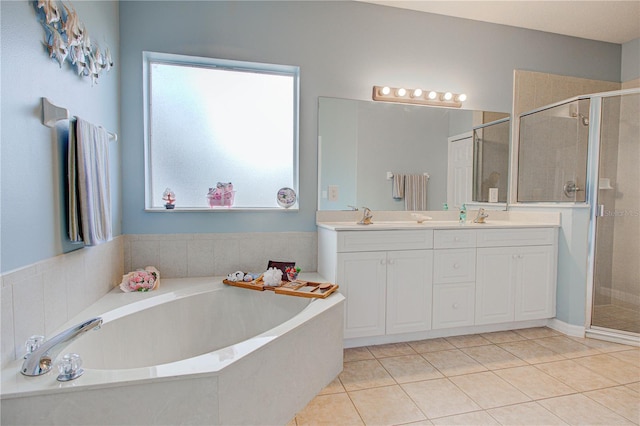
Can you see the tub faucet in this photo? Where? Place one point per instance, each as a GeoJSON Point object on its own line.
{"type": "Point", "coordinates": [481, 216]}
{"type": "Point", "coordinates": [41, 359]}
{"type": "Point", "coordinates": [366, 216]}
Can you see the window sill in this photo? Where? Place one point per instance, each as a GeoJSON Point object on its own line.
{"type": "Point", "coordinates": [219, 209]}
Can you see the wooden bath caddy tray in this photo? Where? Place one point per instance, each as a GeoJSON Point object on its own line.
{"type": "Point", "coordinates": [298, 288]}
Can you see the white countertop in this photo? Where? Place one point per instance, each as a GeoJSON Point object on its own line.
{"type": "Point", "coordinates": [431, 224]}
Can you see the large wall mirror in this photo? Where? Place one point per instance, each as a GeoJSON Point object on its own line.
{"type": "Point", "coordinates": [360, 142]}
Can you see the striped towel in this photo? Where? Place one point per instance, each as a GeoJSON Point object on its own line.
{"type": "Point", "coordinates": [89, 189]}
{"type": "Point", "coordinates": [415, 192]}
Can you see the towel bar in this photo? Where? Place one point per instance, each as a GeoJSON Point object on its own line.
{"type": "Point", "coordinates": [51, 114]}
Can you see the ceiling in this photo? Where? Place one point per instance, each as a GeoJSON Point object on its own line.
{"type": "Point", "coordinates": [609, 20]}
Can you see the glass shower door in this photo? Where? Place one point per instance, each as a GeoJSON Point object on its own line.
{"type": "Point", "coordinates": [616, 275]}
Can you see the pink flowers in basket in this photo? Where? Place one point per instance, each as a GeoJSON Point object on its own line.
{"type": "Point", "coordinates": [141, 280]}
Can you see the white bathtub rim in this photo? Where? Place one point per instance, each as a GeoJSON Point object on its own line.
{"type": "Point", "coordinates": [15, 385]}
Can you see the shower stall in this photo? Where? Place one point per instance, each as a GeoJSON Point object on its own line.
{"type": "Point", "coordinates": [586, 150]}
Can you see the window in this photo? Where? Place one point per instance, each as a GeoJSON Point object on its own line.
{"type": "Point", "coordinates": [212, 120]}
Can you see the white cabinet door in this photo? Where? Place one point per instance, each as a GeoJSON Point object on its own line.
{"type": "Point", "coordinates": [409, 288]}
{"type": "Point", "coordinates": [515, 284]}
{"type": "Point", "coordinates": [535, 283]}
{"type": "Point", "coordinates": [495, 295]}
{"type": "Point", "coordinates": [362, 278]}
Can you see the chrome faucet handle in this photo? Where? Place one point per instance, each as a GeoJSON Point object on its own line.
{"type": "Point", "coordinates": [32, 344]}
{"type": "Point", "coordinates": [69, 367]}
{"type": "Point", "coordinates": [366, 216]}
{"type": "Point", "coordinates": [353, 208]}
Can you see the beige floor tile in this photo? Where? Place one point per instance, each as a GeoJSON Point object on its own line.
{"type": "Point", "coordinates": [493, 357]}
{"type": "Point", "coordinates": [476, 418]}
{"type": "Point", "coordinates": [364, 374]}
{"type": "Point", "coordinates": [357, 354]}
{"type": "Point", "coordinates": [334, 387]}
{"type": "Point", "coordinates": [573, 374]}
{"type": "Point", "coordinates": [579, 410]}
{"type": "Point", "coordinates": [420, 423]}
{"type": "Point", "coordinates": [410, 368]}
{"type": "Point", "coordinates": [611, 367]}
{"type": "Point", "coordinates": [467, 341]}
{"type": "Point", "coordinates": [386, 406]}
{"type": "Point", "coordinates": [336, 409]}
{"type": "Point", "coordinates": [530, 351]}
{"type": "Point", "coordinates": [634, 386]}
{"type": "Point", "coordinates": [439, 398]}
{"type": "Point", "coordinates": [632, 356]}
{"type": "Point", "coordinates": [501, 394]}
{"type": "Point", "coordinates": [454, 362]}
{"type": "Point", "coordinates": [621, 400]}
{"type": "Point", "coordinates": [391, 349]}
{"type": "Point", "coordinates": [537, 332]}
{"type": "Point", "coordinates": [502, 336]}
{"type": "Point", "coordinates": [567, 347]}
{"type": "Point", "coordinates": [431, 345]}
{"type": "Point", "coordinates": [601, 345]}
{"type": "Point", "coordinates": [527, 414]}
{"type": "Point", "coordinates": [534, 383]}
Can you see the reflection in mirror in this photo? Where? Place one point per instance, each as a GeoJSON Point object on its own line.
{"type": "Point", "coordinates": [491, 161]}
{"type": "Point", "coordinates": [359, 142]}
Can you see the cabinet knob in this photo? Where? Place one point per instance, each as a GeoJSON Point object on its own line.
{"type": "Point", "coordinates": [456, 238]}
{"type": "Point", "coordinates": [382, 262]}
{"type": "Point", "coordinates": [454, 306]}
{"type": "Point", "coordinates": [456, 266]}
{"type": "Point", "coordinates": [520, 256]}
{"type": "Point", "coordinates": [391, 261]}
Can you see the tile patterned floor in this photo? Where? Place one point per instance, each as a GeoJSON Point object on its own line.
{"type": "Point", "coordinates": [533, 376]}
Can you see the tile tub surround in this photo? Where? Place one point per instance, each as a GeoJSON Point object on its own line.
{"type": "Point", "coordinates": [206, 255]}
{"type": "Point", "coordinates": [39, 298]}
{"type": "Point", "coordinates": [497, 383]}
{"type": "Point", "coordinates": [240, 383]}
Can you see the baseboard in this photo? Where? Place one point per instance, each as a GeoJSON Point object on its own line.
{"type": "Point", "coordinates": [566, 328]}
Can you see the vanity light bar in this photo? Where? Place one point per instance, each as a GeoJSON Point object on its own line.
{"type": "Point", "coordinates": [418, 96]}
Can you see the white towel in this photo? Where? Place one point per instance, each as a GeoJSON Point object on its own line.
{"type": "Point", "coordinates": [398, 186]}
{"type": "Point", "coordinates": [89, 189]}
{"type": "Point", "coordinates": [415, 192]}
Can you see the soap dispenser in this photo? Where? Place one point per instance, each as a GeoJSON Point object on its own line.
{"type": "Point", "coordinates": [463, 214]}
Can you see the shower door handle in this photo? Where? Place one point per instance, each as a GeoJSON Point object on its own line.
{"type": "Point", "coordinates": [600, 211]}
{"type": "Point", "coordinates": [570, 188]}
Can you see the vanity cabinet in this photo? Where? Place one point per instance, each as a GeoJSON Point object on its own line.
{"type": "Point", "coordinates": [419, 281]}
{"type": "Point", "coordinates": [516, 275]}
{"type": "Point", "coordinates": [386, 277]}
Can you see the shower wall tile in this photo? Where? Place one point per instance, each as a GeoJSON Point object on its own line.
{"type": "Point", "coordinates": [7, 345]}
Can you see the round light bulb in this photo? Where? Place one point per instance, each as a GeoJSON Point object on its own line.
{"type": "Point", "coordinates": [462, 97]}
{"type": "Point", "coordinates": [433, 95]}
{"type": "Point", "coordinates": [401, 92]}
{"type": "Point", "coordinates": [385, 90]}
{"type": "Point", "coordinates": [447, 96]}
{"type": "Point", "coordinates": [417, 93]}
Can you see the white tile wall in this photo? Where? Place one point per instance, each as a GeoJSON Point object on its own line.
{"type": "Point", "coordinates": [39, 298]}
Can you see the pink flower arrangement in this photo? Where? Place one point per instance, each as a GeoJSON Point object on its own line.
{"type": "Point", "coordinates": [141, 280]}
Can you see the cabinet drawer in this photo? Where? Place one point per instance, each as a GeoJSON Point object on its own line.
{"type": "Point", "coordinates": [453, 305]}
{"type": "Point", "coordinates": [454, 265]}
{"type": "Point", "coordinates": [350, 241]}
{"type": "Point", "coordinates": [454, 238]}
{"type": "Point", "coordinates": [516, 237]}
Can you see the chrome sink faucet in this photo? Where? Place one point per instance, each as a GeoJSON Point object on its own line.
{"type": "Point", "coordinates": [481, 216]}
{"type": "Point", "coordinates": [366, 216]}
{"type": "Point", "coordinates": [42, 358]}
